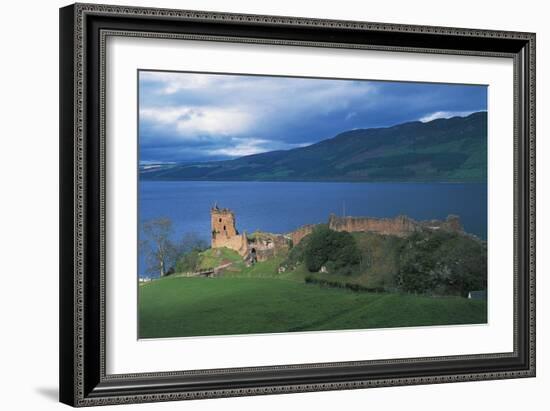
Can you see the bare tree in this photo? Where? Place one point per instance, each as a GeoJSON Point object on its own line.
{"type": "Point", "coordinates": [161, 251]}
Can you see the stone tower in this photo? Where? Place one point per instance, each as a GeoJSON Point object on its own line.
{"type": "Point", "coordinates": [223, 226]}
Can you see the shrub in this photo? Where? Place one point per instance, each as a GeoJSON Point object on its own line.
{"type": "Point", "coordinates": [188, 262]}
{"type": "Point", "coordinates": [310, 279]}
{"type": "Point", "coordinates": [442, 263]}
{"type": "Point", "coordinates": [295, 255]}
{"type": "Point", "coordinates": [337, 251]}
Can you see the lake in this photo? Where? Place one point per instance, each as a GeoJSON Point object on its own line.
{"type": "Point", "coordinates": [281, 207]}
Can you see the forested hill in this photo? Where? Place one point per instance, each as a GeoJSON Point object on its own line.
{"type": "Point", "coordinates": [452, 149]}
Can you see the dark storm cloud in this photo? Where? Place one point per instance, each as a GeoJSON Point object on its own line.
{"type": "Point", "coordinates": [198, 117]}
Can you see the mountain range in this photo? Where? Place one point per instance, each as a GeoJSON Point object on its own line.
{"type": "Point", "coordinates": [453, 149]}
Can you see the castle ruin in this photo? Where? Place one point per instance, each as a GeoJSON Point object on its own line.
{"type": "Point", "coordinates": [261, 246]}
{"type": "Point", "coordinates": [224, 231]}
{"type": "Point", "coordinates": [400, 226]}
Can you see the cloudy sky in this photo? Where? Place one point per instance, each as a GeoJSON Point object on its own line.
{"type": "Point", "coordinates": [201, 117]}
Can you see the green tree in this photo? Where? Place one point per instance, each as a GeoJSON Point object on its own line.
{"type": "Point", "coordinates": [188, 262]}
{"type": "Point", "coordinates": [337, 251]}
{"type": "Point", "coordinates": [189, 249]}
{"type": "Point", "coordinates": [442, 263]}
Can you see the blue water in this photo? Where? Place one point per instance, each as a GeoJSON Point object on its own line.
{"type": "Point", "coordinates": [280, 207]}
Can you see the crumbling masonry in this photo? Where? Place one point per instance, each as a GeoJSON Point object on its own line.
{"type": "Point", "coordinates": [260, 246]}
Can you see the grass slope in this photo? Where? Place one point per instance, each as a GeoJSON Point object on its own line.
{"type": "Point", "coordinates": [214, 257]}
{"type": "Point", "coordinates": [454, 263]}
{"type": "Point", "coordinates": [182, 307]}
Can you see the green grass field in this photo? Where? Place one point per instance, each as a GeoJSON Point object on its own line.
{"type": "Point", "coordinates": [214, 257]}
{"type": "Point", "coordinates": [246, 304]}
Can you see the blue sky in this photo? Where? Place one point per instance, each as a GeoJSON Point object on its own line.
{"type": "Point", "coordinates": [202, 117]}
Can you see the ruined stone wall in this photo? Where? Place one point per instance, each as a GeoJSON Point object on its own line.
{"type": "Point", "coordinates": [400, 226]}
{"type": "Point", "coordinates": [224, 231]}
{"type": "Point", "coordinates": [297, 235]}
{"type": "Point", "coordinates": [268, 245]}
{"type": "Point", "coordinates": [237, 243]}
{"type": "Point", "coordinates": [452, 224]}
{"type": "Point", "coordinates": [223, 222]}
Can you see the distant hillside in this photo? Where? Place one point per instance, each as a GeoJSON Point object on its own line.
{"type": "Point", "coordinates": [452, 149]}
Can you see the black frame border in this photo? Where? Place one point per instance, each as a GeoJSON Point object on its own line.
{"type": "Point", "coordinates": [83, 31]}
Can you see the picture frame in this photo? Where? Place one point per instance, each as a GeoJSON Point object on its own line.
{"type": "Point", "coordinates": [84, 30]}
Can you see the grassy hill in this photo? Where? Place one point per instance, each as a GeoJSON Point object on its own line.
{"type": "Point", "coordinates": [452, 149]}
{"type": "Point", "coordinates": [434, 263]}
{"type": "Point", "coordinates": [211, 257]}
{"type": "Point", "coordinates": [262, 299]}
{"type": "Point", "coordinates": [183, 307]}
